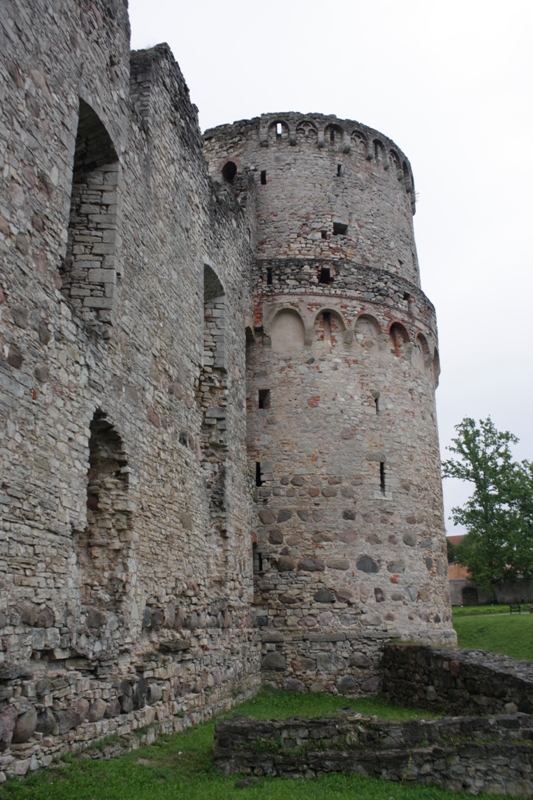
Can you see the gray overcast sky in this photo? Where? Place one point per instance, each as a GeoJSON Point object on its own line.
{"type": "Point", "coordinates": [451, 83]}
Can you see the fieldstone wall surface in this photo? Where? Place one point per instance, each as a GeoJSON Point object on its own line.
{"type": "Point", "coordinates": [472, 754]}
{"type": "Point", "coordinates": [341, 375]}
{"type": "Point", "coordinates": [458, 681]}
{"type": "Point", "coordinates": [173, 330]}
{"type": "Point", "coordinates": [125, 588]}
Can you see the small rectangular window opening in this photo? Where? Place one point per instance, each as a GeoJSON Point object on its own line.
{"type": "Point", "coordinates": [332, 134]}
{"type": "Point", "coordinates": [264, 398]}
{"type": "Point", "coordinates": [258, 478]}
{"type": "Point", "coordinates": [324, 276]}
{"type": "Point", "coordinates": [257, 560]}
{"type": "Point", "coordinates": [406, 295]}
{"type": "Point", "coordinates": [382, 476]}
{"type": "Point", "coordinates": [269, 276]}
{"type": "Point", "coordinates": [340, 229]}
{"type": "Point", "coordinates": [278, 129]}
{"type": "Point", "coordinates": [326, 316]}
{"type": "Point", "coordinates": [324, 234]}
{"type": "Point", "coordinates": [375, 395]}
{"type": "Point", "coordinates": [263, 177]}
{"type": "Point", "coordinates": [339, 170]}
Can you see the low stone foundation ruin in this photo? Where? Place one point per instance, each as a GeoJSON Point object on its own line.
{"type": "Point", "coordinates": [472, 754]}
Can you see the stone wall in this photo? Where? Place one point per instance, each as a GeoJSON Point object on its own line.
{"type": "Point", "coordinates": [469, 754]}
{"type": "Point", "coordinates": [341, 377]}
{"type": "Point", "coordinates": [168, 338]}
{"type": "Point", "coordinates": [457, 681]}
{"type": "Point", "coordinates": [125, 578]}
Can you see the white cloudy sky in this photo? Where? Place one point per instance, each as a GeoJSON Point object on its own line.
{"type": "Point", "coordinates": [451, 82]}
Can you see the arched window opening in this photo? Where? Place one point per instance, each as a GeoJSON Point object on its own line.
{"type": "Point", "coordinates": [214, 320]}
{"type": "Point", "coordinates": [399, 337]}
{"type": "Point", "coordinates": [379, 151]}
{"type": "Point", "coordinates": [367, 331]}
{"type": "Point", "coordinates": [104, 552]}
{"type": "Point", "coordinates": [329, 329]}
{"type": "Point", "coordinates": [287, 333]}
{"type": "Point", "coordinates": [334, 135]}
{"type": "Point", "coordinates": [213, 400]}
{"type": "Point", "coordinates": [278, 132]}
{"type": "Point", "coordinates": [229, 170]}
{"type": "Point", "coordinates": [88, 271]}
{"type": "Point", "coordinates": [306, 131]}
{"type": "Point", "coordinates": [421, 355]}
{"type": "Point", "coordinates": [359, 143]}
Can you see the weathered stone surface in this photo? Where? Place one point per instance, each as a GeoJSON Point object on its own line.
{"type": "Point", "coordinates": [275, 536]}
{"type": "Point", "coordinates": [154, 693]}
{"type": "Point", "coordinates": [273, 661]}
{"type": "Point", "coordinates": [8, 716]}
{"type": "Point", "coordinates": [359, 660]}
{"type": "Point", "coordinates": [396, 566]}
{"type": "Point", "coordinates": [294, 685]}
{"type": "Point", "coordinates": [495, 761]}
{"type": "Point", "coordinates": [284, 515]}
{"type": "Point", "coordinates": [286, 564]}
{"type": "Point", "coordinates": [338, 563]}
{"type": "Point", "coordinates": [97, 709]}
{"type": "Point", "coordinates": [46, 722]}
{"type": "Point", "coordinates": [266, 516]}
{"type": "Point", "coordinates": [325, 596]}
{"type": "Point", "coordinates": [134, 255]}
{"type": "Point", "coordinates": [25, 726]}
{"type": "Point", "coordinates": [45, 618]}
{"type": "Point", "coordinates": [367, 564]}
{"type": "Point", "coordinates": [346, 684]}
{"type": "Point", "coordinates": [67, 719]}
{"type": "Point", "coordinates": [95, 618]}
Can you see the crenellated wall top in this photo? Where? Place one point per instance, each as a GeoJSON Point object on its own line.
{"type": "Point", "coordinates": [323, 131]}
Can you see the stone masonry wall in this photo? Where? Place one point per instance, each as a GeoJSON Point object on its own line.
{"type": "Point", "coordinates": [122, 601]}
{"type": "Point", "coordinates": [460, 681]}
{"type": "Point", "coordinates": [472, 754]}
{"type": "Point", "coordinates": [342, 438]}
{"type": "Point", "coordinates": [311, 184]}
{"type": "Point", "coordinates": [172, 332]}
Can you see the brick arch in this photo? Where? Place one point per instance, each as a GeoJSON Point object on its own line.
{"type": "Point", "coordinates": [367, 330]}
{"type": "Point", "coordinates": [329, 327]}
{"type": "Point", "coordinates": [399, 337]}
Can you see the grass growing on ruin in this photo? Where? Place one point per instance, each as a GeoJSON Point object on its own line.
{"type": "Point", "coordinates": [279, 704]}
{"type": "Point", "coordinates": [503, 608]}
{"type": "Point", "coordinates": [181, 767]}
{"type": "Point", "coordinates": [511, 634]}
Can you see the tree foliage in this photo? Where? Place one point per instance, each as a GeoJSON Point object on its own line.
{"type": "Point", "coordinates": [499, 514]}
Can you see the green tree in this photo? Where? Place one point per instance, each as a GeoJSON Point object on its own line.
{"type": "Point", "coordinates": [498, 516]}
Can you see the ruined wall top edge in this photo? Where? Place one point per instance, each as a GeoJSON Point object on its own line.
{"type": "Point", "coordinates": [293, 123]}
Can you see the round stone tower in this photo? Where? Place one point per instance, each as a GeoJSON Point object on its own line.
{"type": "Point", "coordinates": [349, 549]}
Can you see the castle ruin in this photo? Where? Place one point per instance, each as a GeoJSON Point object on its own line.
{"type": "Point", "coordinates": [219, 449]}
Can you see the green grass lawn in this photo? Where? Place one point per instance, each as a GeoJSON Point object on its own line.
{"type": "Point", "coordinates": [181, 767]}
{"type": "Point", "coordinates": [468, 611]}
{"type": "Point", "coordinates": [511, 634]}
